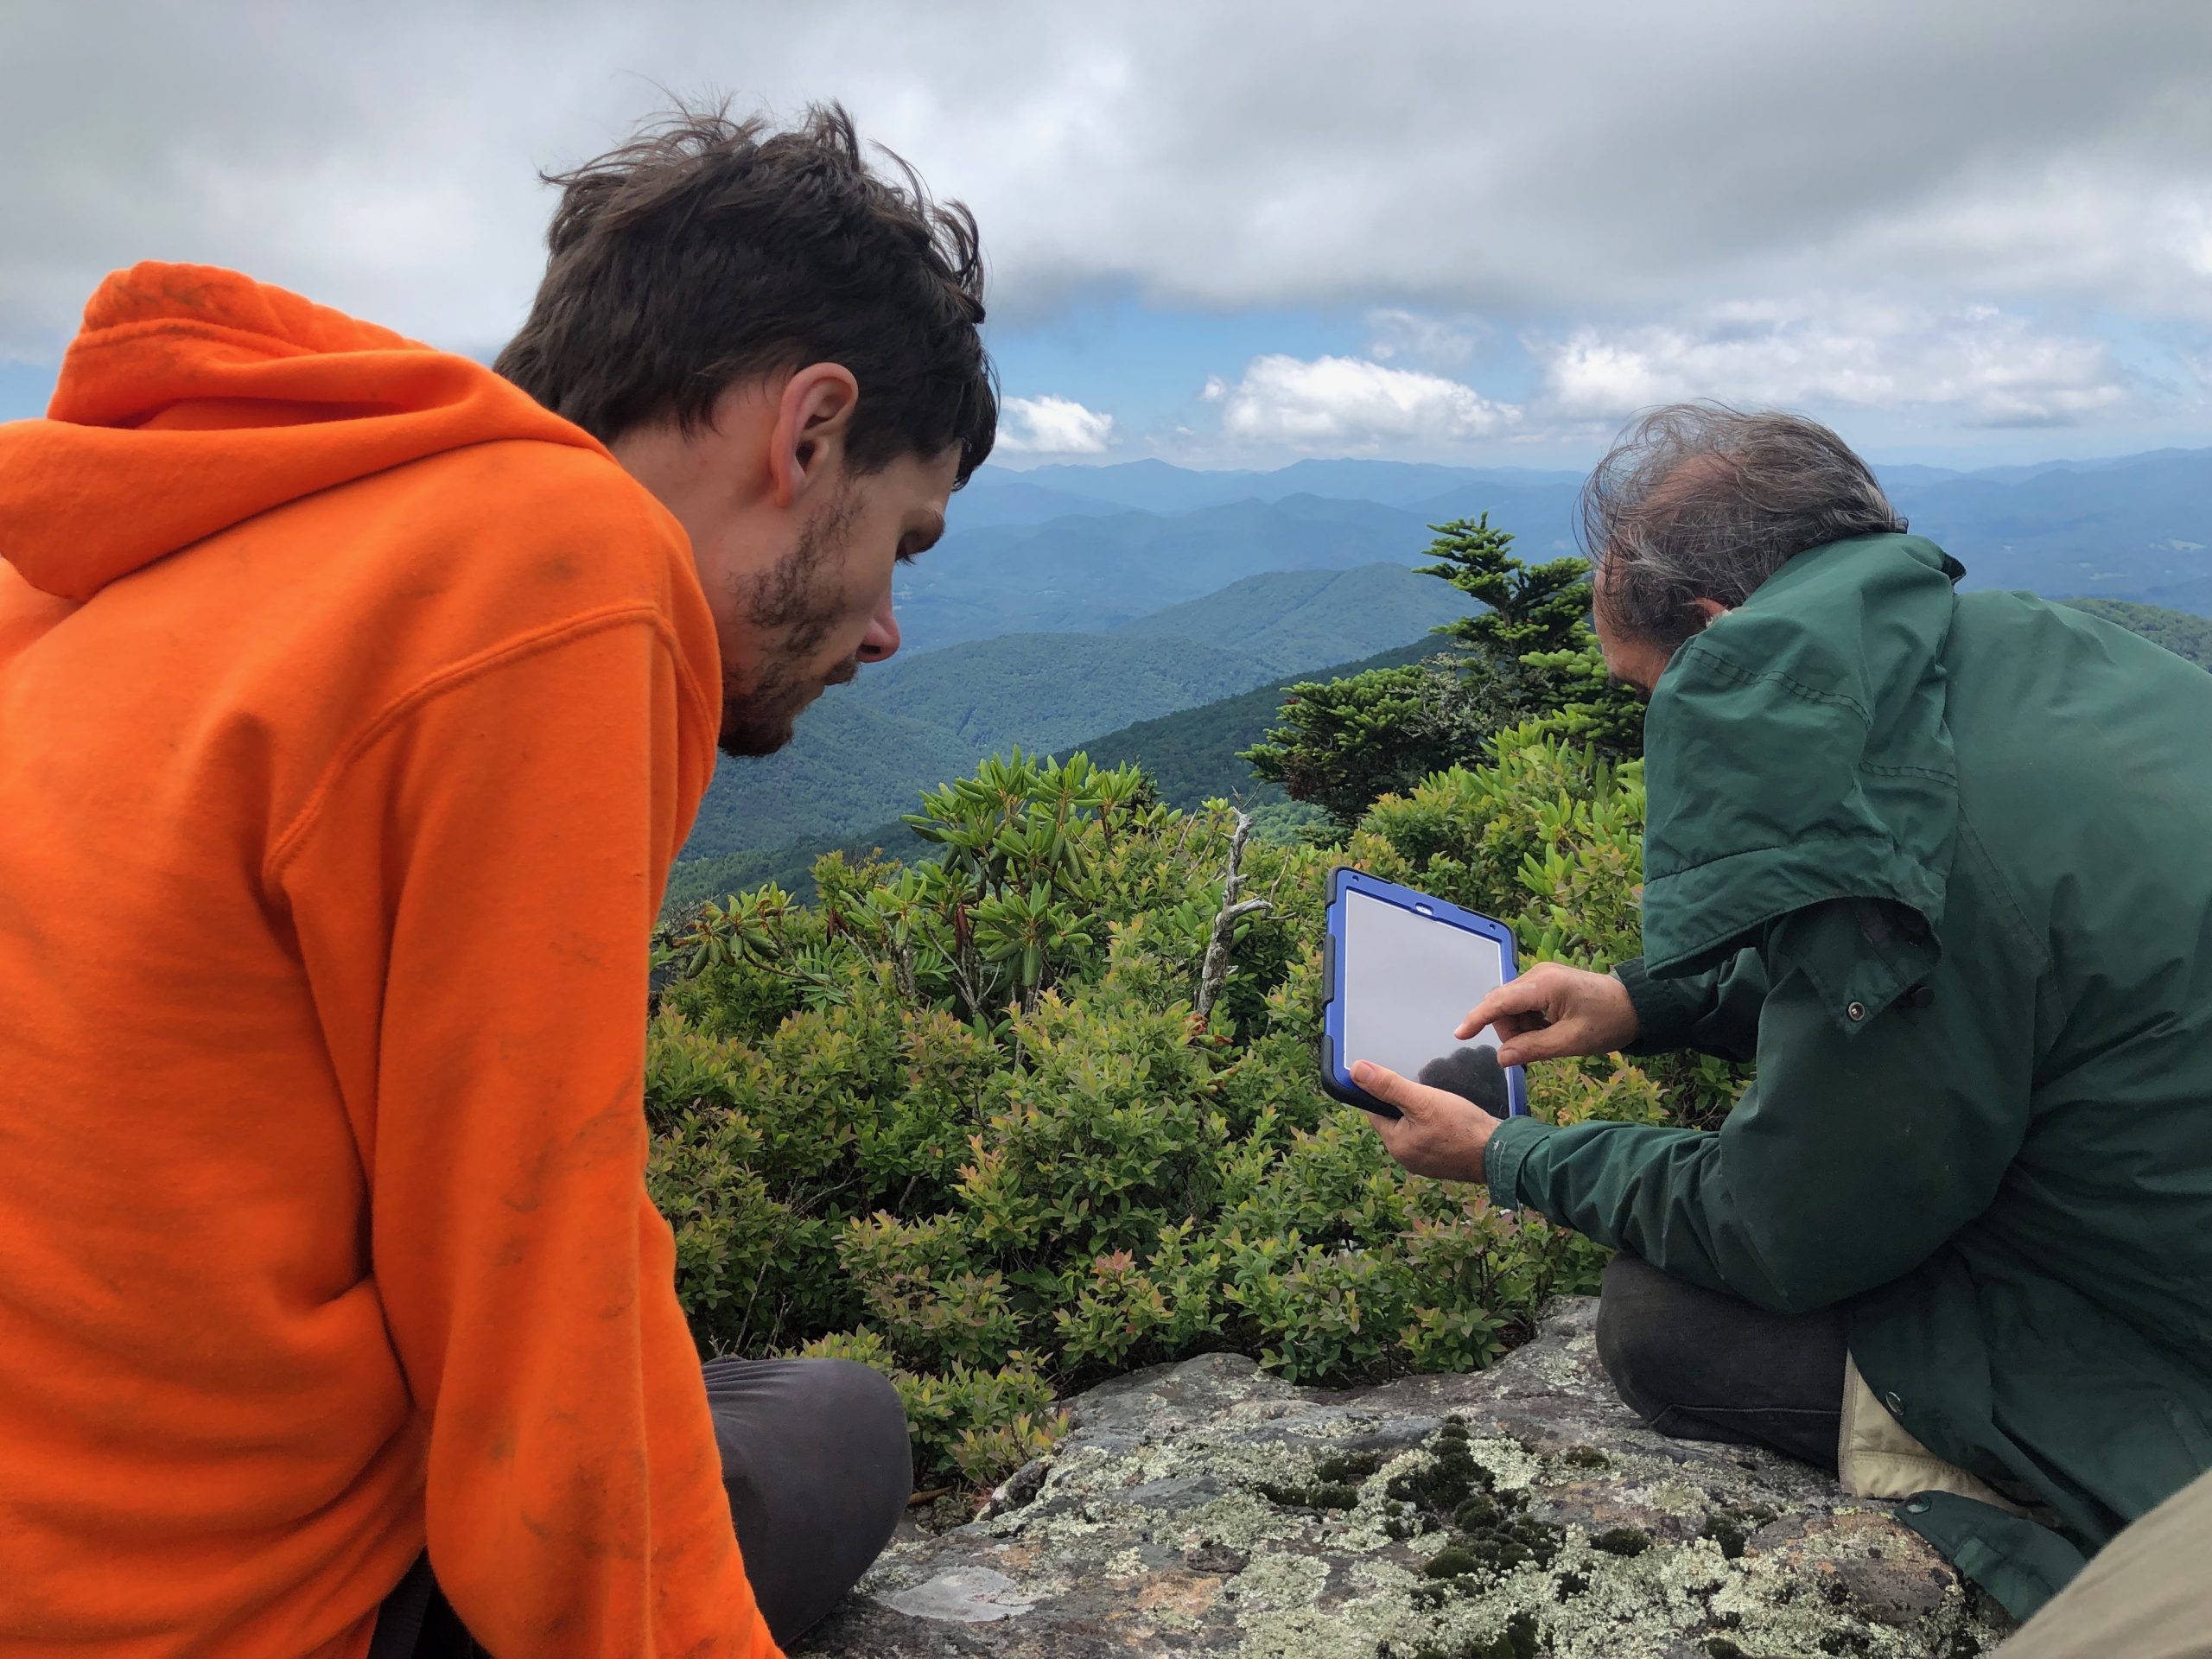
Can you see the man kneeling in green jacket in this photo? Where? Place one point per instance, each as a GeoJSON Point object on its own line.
{"type": "Point", "coordinates": [1941, 863]}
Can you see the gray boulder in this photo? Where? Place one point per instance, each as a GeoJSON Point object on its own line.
{"type": "Point", "coordinates": [1205, 1508]}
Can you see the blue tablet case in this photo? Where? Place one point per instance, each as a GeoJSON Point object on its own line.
{"type": "Point", "coordinates": [1335, 1065]}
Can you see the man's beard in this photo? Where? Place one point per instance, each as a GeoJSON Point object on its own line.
{"type": "Point", "coordinates": [793, 607]}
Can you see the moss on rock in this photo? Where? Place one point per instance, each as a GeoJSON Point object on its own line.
{"type": "Point", "coordinates": [1517, 1512]}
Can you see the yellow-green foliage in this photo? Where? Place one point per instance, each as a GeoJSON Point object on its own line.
{"type": "Point", "coordinates": [960, 1121]}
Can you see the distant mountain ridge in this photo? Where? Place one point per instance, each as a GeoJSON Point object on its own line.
{"type": "Point", "coordinates": [2132, 528]}
{"type": "Point", "coordinates": [1160, 486]}
{"type": "Point", "coordinates": [1152, 485]}
{"type": "Point", "coordinates": [1074, 548]}
{"type": "Point", "coordinates": [1191, 755]}
{"type": "Point", "coordinates": [1095, 573]}
{"type": "Point", "coordinates": [866, 752]}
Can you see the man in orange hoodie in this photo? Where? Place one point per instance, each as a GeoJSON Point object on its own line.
{"type": "Point", "coordinates": [353, 702]}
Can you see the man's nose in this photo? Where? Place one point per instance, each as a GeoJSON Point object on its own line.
{"type": "Point", "coordinates": [882, 640]}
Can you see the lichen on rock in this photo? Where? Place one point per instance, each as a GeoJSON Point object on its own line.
{"type": "Point", "coordinates": [1208, 1509]}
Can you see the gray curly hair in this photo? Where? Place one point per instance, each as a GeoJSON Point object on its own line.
{"type": "Point", "coordinates": [1704, 501]}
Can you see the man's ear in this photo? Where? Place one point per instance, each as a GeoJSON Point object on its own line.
{"type": "Point", "coordinates": [1709, 612]}
{"type": "Point", "coordinates": [814, 419]}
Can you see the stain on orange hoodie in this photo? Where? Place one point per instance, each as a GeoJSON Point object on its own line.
{"type": "Point", "coordinates": [351, 708]}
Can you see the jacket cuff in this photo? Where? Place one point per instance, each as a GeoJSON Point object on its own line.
{"type": "Point", "coordinates": [1510, 1143]}
{"type": "Point", "coordinates": [1665, 1008]}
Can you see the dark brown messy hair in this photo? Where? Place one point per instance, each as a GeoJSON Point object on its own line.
{"type": "Point", "coordinates": [708, 250]}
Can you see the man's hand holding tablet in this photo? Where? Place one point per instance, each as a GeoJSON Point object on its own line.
{"type": "Point", "coordinates": [1402, 964]}
{"type": "Point", "coordinates": [1395, 956]}
{"type": "Point", "coordinates": [1437, 1132]}
{"type": "Point", "coordinates": [1547, 1014]}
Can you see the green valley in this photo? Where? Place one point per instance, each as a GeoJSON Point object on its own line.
{"type": "Point", "coordinates": [1192, 756]}
{"type": "Point", "coordinates": [1046, 691]}
{"type": "Point", "coordinates": [865, 753]}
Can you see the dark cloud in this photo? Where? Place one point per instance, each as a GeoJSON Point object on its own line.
{"type": "Point", "coordinates": [1607, 177]}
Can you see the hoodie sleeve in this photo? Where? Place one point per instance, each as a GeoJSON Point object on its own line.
{"type": "Point", "coordinates": [505, 835]}
{"type": "Point", "coordinates": [1871, 1136]}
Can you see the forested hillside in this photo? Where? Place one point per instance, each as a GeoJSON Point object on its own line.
{"type": "Point", "coordinates": [2178, 632]}
{"type": "Point", "coordinates": [788, 865]}
{"type": "Point", "coordinates": [1192, 757]}
{"type": "Point", "coordinates": [864, 752]}
{"type": "Point", "coordinates": [1044, 690]}
{"type": "Point", "coordinates": [852, 766]}
{"type": "Point", "coordinates": [1196, 755]}
{"type": "Point", "coordinates": [1292, 619]}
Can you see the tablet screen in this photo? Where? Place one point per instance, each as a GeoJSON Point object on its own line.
{"type": "Point", "coordinates": [1408, 980]}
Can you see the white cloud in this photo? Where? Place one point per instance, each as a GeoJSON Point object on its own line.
{"type": "Point", "coordinates": [1430, 341]}
{"type": "Point", "coordinates": [1349, 403]}
{"type": "Point", "coordinates": [1979, 364]}
{"type": "Point", "coordinates": [1053, 426]}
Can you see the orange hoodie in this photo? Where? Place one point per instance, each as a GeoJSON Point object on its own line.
{"type": "Point", "coordinates": [351, 708]}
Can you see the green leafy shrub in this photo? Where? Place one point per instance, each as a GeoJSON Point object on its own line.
{"type": "Point", "coordinates": [962, 1121]}
{"type": "Point", "coordinates": [971, 1425]}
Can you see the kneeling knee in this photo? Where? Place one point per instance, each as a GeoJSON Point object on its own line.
{"type": "Point", "coordinates": [1631, 1341]}
{"type": "Point", "coordinates": [872, 1418]}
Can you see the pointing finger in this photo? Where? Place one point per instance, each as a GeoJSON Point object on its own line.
{"type": "Point", "coordinates": [1542, 1043]}
{"type": "Point", "coordinates": [1521, 997]}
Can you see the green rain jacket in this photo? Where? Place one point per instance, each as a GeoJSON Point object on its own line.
{"type": "Point", "coordinates": [1941, 863]}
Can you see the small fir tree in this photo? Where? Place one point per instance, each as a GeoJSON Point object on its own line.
{"type": "Point", "coordinates": [1529, 654]}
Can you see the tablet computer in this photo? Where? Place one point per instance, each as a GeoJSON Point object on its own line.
{"type": "Point", "coordinates": [1402, 970]}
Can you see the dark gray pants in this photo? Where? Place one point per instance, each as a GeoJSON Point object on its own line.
{"type": "Point", "coordinates": [816, 1458]}
{"type": "Point", "coordinates": [1700, 1366]}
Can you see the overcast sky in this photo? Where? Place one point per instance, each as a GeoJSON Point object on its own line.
{"type": "Point", "coordinates": [1234, 234]}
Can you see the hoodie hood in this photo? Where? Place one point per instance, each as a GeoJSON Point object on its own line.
{"type": "Point", "coordinates": [194, 399]}
{"type": "Point", "coordinates": [1799, 751]}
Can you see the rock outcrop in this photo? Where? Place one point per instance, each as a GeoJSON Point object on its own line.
{"type": "Point", "coordinates": [1206, 1509]}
